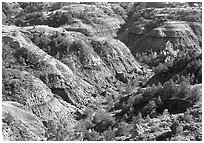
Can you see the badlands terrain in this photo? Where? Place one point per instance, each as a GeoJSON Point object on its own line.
{"type": "Point", "coordinates": [101, 71]}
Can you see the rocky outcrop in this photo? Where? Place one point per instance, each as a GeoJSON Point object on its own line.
{"type": "Point", "coordinates": [11, 9]}
{"type": "Point", "coordinates": [63, 70]}
{"type": "Point", "coordinates": [178, 33]}
{"type": "Point", "coordinates": [54, 73]}
{"type": "Point", "coordinates": [34, 98]}
{"type": "Point", "coordinates": [97, 20]}
{"type": "Point", "coordinates": [100, 19]}
{"type": "Point", "coordinates": [97, 60]}
{"type": "Point", "coordinates": [151, 27]}
{"type": "Point", "coordinates": [190, 66]}
{"type": "Point", "coordinates": [19, 124]}
{"type": "Point", "coordinates": [55, 85]}
{"type": "Point", "coordinates": [25, 87]}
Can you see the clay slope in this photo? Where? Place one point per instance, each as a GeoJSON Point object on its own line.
{"type": "Point", "coordinates": [154, 28]}
{"type": "Point", "coordinates": [97, 20]}
{"type": "Point", "coordinates": [178, 33]}
{"type": "Point", "coordinates": [24, 64]}
{"type": "Point", "coordinates": [192, 65]}
{"type": "Point", "coordinates": [65, 75]}
{"type": "Point", "coordinates": [28, 106]}
{"type": "Point", "coordinates": [43, 66]}
{"type": "Point", "coordinates": [91, 19]}
{"type": "Point", "coordinates": [58, 62]}
{"type": "Point", "coordinates": [97, 60]}
{"type": "Point", "coordinates": [54, 82]}
{"type": "Point", "coordinates": [19, 124]}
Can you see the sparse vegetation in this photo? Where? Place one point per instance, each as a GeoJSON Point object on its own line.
{"type": "Point", "coordinates": [62, 63]}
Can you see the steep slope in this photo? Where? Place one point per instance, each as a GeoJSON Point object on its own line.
{"type": "Point", "coordinates": [188, 65]}
{"type": "Point", "coordinates": [19, 124]}
{"type": "Point", "coordinates": [91, 19]}
{"type": "Point", "coordinates": [177, 33]}
{"type": "Point", "coordinates": [43, 66]}
{"type": "Point", "coordinates": [154, 27]}
{"type": "Point", "coordinates": [49, 88]}
{"type": "Point", "coordinates": [97, 60]}
{"type": "Point", "coordinates": [94, 22]}
{"type": "Point", "coordinates": [28, 104]}
{"type": "Point", "coordinates": [66, 76]}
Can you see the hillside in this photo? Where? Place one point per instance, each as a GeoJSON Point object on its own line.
{"type": "Point", "coordinates": [98, 71]}
{"type": "Point", "coordinates": [154, 27]}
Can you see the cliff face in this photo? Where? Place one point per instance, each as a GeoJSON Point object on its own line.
{"type": "Point", "coordinates": [178, 33]}
{"type": "Point", "coordinates": [154, 27]}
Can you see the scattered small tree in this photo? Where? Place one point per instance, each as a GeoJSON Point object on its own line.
{"type": "Point", "coordinates": [176, 128]}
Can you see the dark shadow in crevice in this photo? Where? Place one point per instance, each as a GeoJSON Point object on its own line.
{"type": "Point", "coordinates": [63, 94]}
{"type": "Point", "coordinates": [174, 106]}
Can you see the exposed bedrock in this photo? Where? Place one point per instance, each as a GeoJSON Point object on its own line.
{"type": "Point", "coordinates": [180, 34]}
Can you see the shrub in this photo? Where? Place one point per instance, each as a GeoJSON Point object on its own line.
{"type": "Point", "coordinates": [59, 18]}
{"type": "Point", "coordinates": [147, 119]}
{"type": "Point", "coordinates": [153, 90]}
{"type": "Point", "coordinates": [195, 95]}
{"type": "Point", "coordinates": [123, 129]}
{"type": "Point", "coordinates": [30, 7]}
{"type": "Point", "coordinates": [183, 90]}
{"type": "Point", "coordinates": [160, 68]}
{"type": "Point", "coordinates": [102, 120]}
{"type": "Point", "coordinates": [148, 108]}
{"type": "Point", "coordinates": [119, 11]}
{"type": "Point", "coordinates": [187, 117]}
{"type": "Point", "coordinates": [156, 128]}
{"type": "Point", "coordinates": [58, 130]}
{"type": "Point", "coordinates": [88, 112]}
{"type": "Point", "coordinates": [91, 135]}
{"type": "Point", "coordinates": [176, 128]}
{"type": "Point", "coordinates": [109, 134]}
{"type": "Point", "coordinates": [34, 18]}
{"type": "Point", "coordinates": [169, 89]}
{"type": "Point", "coordinates": [8, 59]}
{"type": "Point", "coordinates": [7, 10]}
{"type": "Point", "coordinates": [55, 5]}
{"type": "Point", "coordinates": [138, 119]}
{"type": "Point", "coordinates": [8, 118]}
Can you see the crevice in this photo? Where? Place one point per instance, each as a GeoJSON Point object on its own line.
{"type": "Point", "coordinates": [174, 106]}
{"type": "Point", "coordinates": [63, 93]}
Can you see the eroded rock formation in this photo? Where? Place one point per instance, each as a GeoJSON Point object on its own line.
{"type": "Point", "coordinates": [64, 70]}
